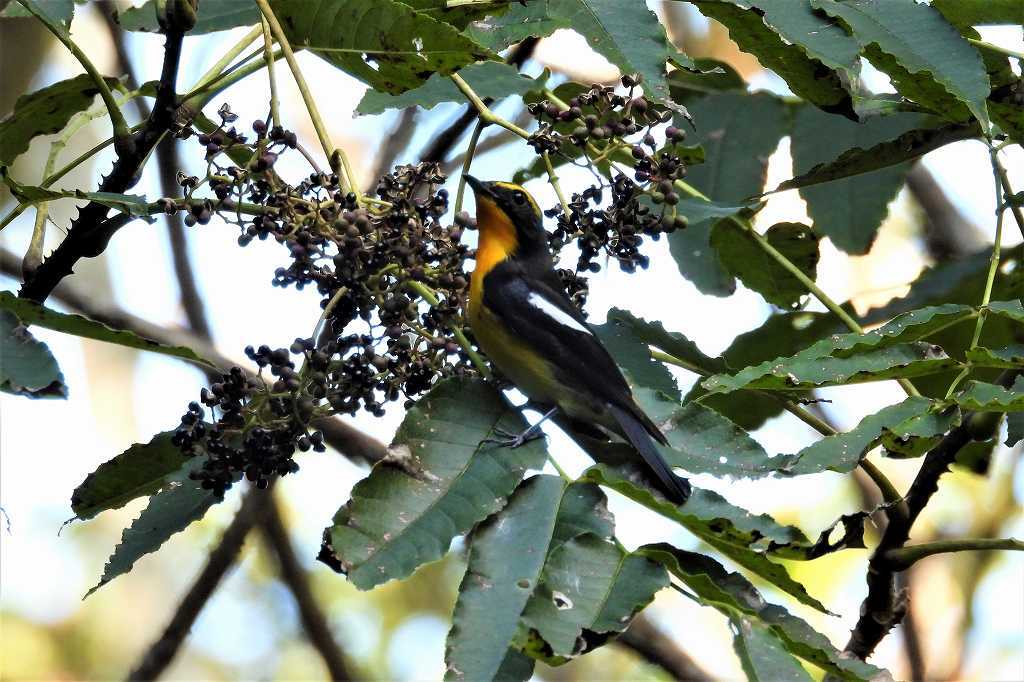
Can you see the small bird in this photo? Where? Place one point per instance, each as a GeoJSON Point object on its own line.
{"type": "Point", "coordinates": [526, 324]}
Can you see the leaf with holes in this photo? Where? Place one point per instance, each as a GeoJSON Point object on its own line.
{"type": "Point", "coordinates": [904, 360]}
{"type": "Point", "coordinates": [27, 367]}
{"type": "Point", "coordinates": [219, 15]}
{"type": "Point", "coordinates": [739, 132]}
{"type": "Point", "coordinates": [179, 503]}
{"type": "Point", "coordinates": [44, 112]}
{"type": "Point", "coordinates": [32, 313]}
{"type": "Point", "coordinates": [590, 589]}
{"type": "Point", "coordinates": [436, 483]}
{"type": "Point", "coordinates": [731, 593]}
{"type": "Point", "coordinates": [488, 79]}
{"type": "Point", "coordinates": [850, 210]}
{"type": "Point", "coordinates": [802, 47]}
{"type": "Point", "coordinates": [384, 43]}
{"type": "Point", "coordinates": [921, 42]}
{"type": "Point", "coordinates": [763, 655]}
{"type": "Point", "coordinates": [140, 470]}
{"type": "Point", "coordinates": [983, 397]}
{"type": "Point", "coordinates": [842, 452]}
{"type": "Point", "coordinates": [504, 564]}
{"type": "Point", "coordinates": [735, 532]}
{"type": "Point", "coordinates": [740, 254]}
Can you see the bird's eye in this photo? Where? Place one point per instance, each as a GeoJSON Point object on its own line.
{"type": "Point", "coordinates": [519, 198]}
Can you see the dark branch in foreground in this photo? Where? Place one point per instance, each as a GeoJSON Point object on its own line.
{"type": "Point", "coordinates": [90, 232]}
{"type": "Point", "coordinates": [885, 605]}
{"type": "Point", "coordinates": [255, 505]}
{"type": "Point", "coordinates": [294, 576]}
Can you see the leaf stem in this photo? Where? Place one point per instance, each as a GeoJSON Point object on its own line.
{"type": "Point", "coordinates": [218, 67]}
{"type": "Point", "coordinates": [485, 112]}
{"type": "Point", "coordinates": [336, 156]}
{"type": "Point", "coordinates": [902, 558]}
{"type": "Point", "coordinates": [792, 269]}
{"type": "Point", "coordinates": [997, 48]}
{"type": "Point", "coordinates": [268, 59]}
{"type": "Point", "coordinates": [553, 179]}
{"type": "Point", "coordinates": [117, 120]}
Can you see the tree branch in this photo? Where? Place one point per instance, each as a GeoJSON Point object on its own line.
{"type": "Point", "coordinates": [885, 605]}
{"type": "Point", "coordinates": [648, 642]}
{"type": "Point", "coordinates": [90, 232]}
{"type": "Point", "coordinates": [255, 505]}
{"type": "Point", "coordinates": [294, 576]}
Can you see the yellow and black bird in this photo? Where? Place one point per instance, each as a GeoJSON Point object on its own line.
{"type": "Point", "coordinates": [533, 333]}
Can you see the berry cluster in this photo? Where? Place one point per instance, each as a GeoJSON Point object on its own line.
{"type": "Point", "coordinates": [391, 280]}
{"type": "Point", "coordinates": [596, 128]}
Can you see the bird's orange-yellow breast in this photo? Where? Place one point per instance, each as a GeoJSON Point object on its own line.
{"type": "Point", "coordinates": [497, 241]}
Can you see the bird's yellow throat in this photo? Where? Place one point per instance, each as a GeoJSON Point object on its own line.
{"type": "Point", "coordinates": [497, 242]}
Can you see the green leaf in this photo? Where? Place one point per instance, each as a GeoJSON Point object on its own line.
{"type": "Point", "coordinates": [981, 12]}
{"type": "Point", "coordinates": [707, 76]}
{"type": "Point", "coordinates": [856, 161]}
{"type": "Point", "coordinates": [437, 481]}
{"type": "Point", "coordinates": [44, 112]}
{"type": "Point", "coordinates": [140, 470]}
{"type": "Point", "coordinates": [531, 19]}
{"type": "Point", "coordinates": [735, 532]}
{"type": "Point", "coordinates": [731, 593]}
{"type": "Point", "coordinates": [132, 204]}
{"type": "Point", "coordinates": [848, 354]}
{"type": "Point", "coordinates": [505, 561]}
{"type": "Point", "coordinates": [1007, 357]}
{"type": "Point", "coordinates": [648, 379]}
{"type": "Point", "coordinates": [673, 343]}
{"type": "Point", "coordinates": [31, 312]}
{"type": "Point", "coordinates": [384, 43]}
{"type": "Point", "coordinates": [219, 15]}
{"type": "Point", "coordinates": [590, 588]}
{"type": "Point", "coordinates": [458, 16]}
{"type": "Point", "coordinates": [180, 502]}
{"type": "Point", "coordinates": [891, 362]}
{"type": "Point", "coordinates": [738, 132]}
{"type": "Point", "coordinates": [781, 335]}
{"type": "Point", "coordinates": [921, 41]}
{"type": "Point", "coordinates": [27, 367]}
{"type": "Point", "coordinates": [849, 211]}
{"type": "Point", "coordinates": [983, 397]}
{"type": "Point", "coordinates": [915, 416]}
{"type": "Point", "coordinates": [794, 42]}
{"type": "Point", "coordinates": [704, 441]}
{"type": "Point", "coordinates": [488, 79]}
{"type": "Point", "coordinates": [627, 34]}
{"type": "Point", "coordinates": [763, 655]}
{"type": "Point", "coordinates": [59, 11]}
{"type": "Point", "coordinates": [741, 256]}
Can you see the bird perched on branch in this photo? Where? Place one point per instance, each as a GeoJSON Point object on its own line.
{"type": "Point", "coordinates": [533, 333]}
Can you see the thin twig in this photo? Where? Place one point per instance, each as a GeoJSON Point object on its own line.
{"type": "Point", "coordinates": [160, 654]}
{"type": "Point", "coordinates": [314, 622]}
{"type": "Point", "coordinates": [395, 143]}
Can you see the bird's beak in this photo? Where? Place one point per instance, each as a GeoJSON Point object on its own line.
{"type": "Point", "coordinates": [480, 188]}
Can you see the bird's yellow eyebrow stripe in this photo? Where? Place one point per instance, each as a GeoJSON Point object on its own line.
{"type": "Point", "coordinates": [513, 187]}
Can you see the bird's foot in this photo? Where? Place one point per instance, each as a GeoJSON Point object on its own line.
{"type": "Point", "coordinates": [507, 439]}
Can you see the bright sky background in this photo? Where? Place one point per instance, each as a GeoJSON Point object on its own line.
{"type": "Point", "coordinates": [48, 447]}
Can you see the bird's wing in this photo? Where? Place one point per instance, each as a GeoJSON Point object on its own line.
{"type": "Point", "coordinates": [545, 320]}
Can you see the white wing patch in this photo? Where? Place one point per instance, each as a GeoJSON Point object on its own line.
{"type": "Point", "coordinates": [555, 313]}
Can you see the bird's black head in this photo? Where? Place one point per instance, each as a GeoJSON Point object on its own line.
{"type": "Point", "coordinates": [508, 213]}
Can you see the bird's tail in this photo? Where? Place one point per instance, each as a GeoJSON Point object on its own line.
{"type": "Point", "coordinates": [673, 487]}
